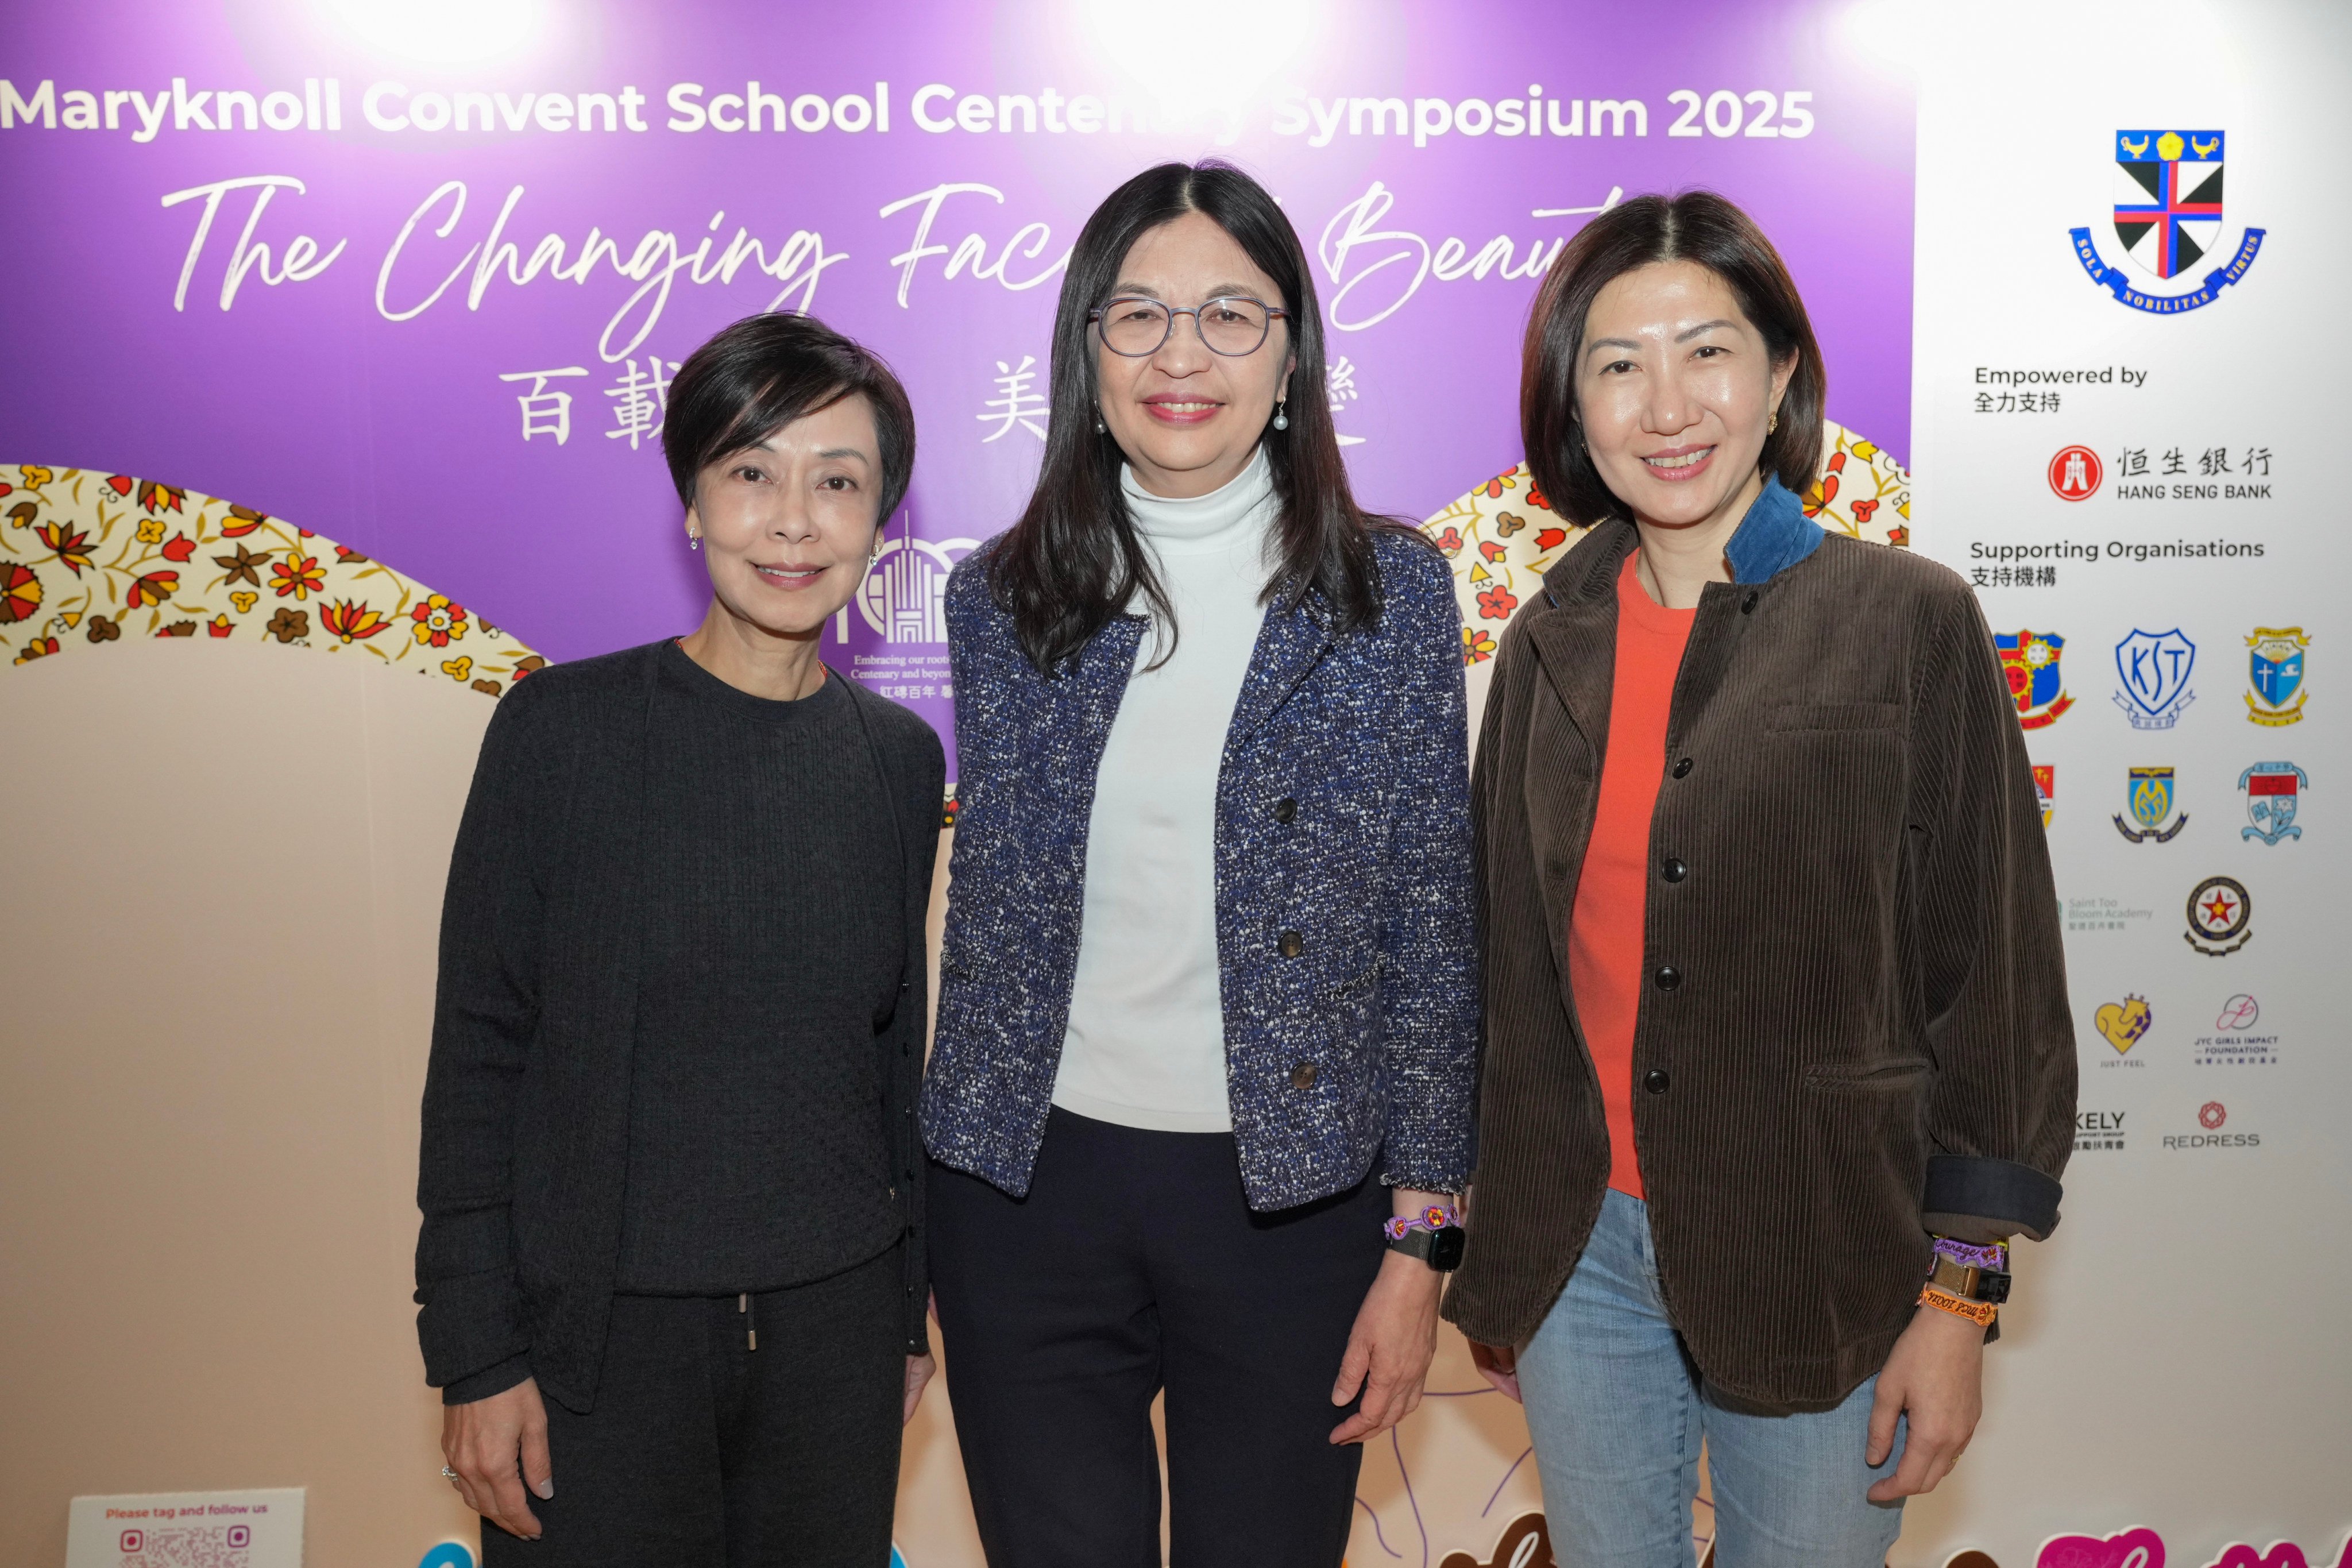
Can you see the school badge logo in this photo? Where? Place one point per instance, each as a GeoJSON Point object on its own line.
{"type": "Point", "coordinates": [2121, 1024]}
{"type": "Point", "coordinates": [2149, 791]}
{"type": "Point", "coordinates": [2277, 670]}
{"type": "Point", "coordinates": [2220, 913]}
{"type": "Point", "coordinates": [2167, 218]}
{"type": "Point", "coordinates": [2271, 790]}
{"type": "Point", "coordinates": [2154, 668]}
{"type": "Point", "coordinates": [2045, 789]}
{"type": "Point", "coordinates": [2030, 659]}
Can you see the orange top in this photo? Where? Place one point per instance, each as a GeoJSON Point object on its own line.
{"type": "Point", "coordinates": [1605, 933]}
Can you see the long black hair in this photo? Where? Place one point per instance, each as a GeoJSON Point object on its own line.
{"type": "Point", "coordinates": [1074, 560]}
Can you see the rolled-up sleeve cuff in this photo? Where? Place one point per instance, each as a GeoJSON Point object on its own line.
{"type": "Point", "coordinates": [488, 1381]}
{"type": "Point", "coordinates": [1980, 1199]}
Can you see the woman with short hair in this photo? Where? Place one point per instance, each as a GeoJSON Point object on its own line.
{"type": "Point", "coordinates": [669, 1176]}
{"type": "Point", "coordinates": [1778, 1046]}
{"type": "Point", "coordinates": [1207, 1003]}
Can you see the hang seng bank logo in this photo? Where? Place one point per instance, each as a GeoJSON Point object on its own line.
{"type": "Point", "coordinates": [2166, 218]}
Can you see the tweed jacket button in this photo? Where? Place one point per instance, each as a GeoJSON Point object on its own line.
{"type": "Point", "coordinates": [1291, 945]}
{"type": "Point", "coordinates": [1285, 809]}
{"type": "Point", "coordinates": [1667, 977]}
{"type": "Point", "coordinates": [1655, 1080]}
{"type": "Point", "coordinates": [1303, 1075]}
{"type": "Point", "coordinates": [1683, 768]}
{"type": "Point", "coordinates": [1674, 870]}
{"type": "Point", "coordinates": [1748, 605]}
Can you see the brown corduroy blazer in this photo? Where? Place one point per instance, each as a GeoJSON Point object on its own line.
{"type": "Point", "coordinates": [1856, 1026]}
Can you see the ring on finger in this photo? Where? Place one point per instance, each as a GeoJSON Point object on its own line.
{"type": "Point", "coordinates": [451, 1474]}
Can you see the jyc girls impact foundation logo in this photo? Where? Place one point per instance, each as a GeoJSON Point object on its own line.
{"type": "Point", "coordinates": [2167, 218]}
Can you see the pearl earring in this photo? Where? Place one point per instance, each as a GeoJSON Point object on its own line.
{"type": "Point", "coordinates": [1099, 426]}
{"type": "Point", "coordinates": [1281, 420]}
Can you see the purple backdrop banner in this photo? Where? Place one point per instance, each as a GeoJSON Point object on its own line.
{"type": "Point", "coordinates": [415, 276]}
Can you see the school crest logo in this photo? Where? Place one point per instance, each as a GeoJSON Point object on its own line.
{"type": "Point", "coordinates": [903, 598]}
{"type": "Point", "coordinates": [2149, 791]}
{"type": "Point", "coordinates": [2272, 790]}
{"type": "Point", "coordinates": [2045, 789]}
{"type": "Point", "coordinates": [2030, 659]}
{"type": "Point", "coordinates": [2167, 218]}
{"type": "Point", "coordinates": [2220, 917]}
{"type": "Point", "coordinates": [2275, 668]}
{"type": "Point", "coordinates": [2154, 668]}
{"type": "Point", "coordinates": [2121, 1024]}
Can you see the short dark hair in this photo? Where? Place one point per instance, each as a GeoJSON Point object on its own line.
{"type": "Point", "coordinates": [1697, 226]}
{"type": "Point", "coordinates": [764, 372]}
{"type": "Point", "coordinates": [1074, 560]}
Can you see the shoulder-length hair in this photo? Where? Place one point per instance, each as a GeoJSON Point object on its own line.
{"type": "Point", "coordinates": [1699, 226]}
{"type": "Point", "coordinates": [1074, 560]}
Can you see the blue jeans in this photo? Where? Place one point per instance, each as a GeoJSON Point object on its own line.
{"type": "Point", "coordinates": [1617, 1412]}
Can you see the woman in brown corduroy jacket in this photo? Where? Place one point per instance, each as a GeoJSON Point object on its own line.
{"type": "Point", "coordinates": [1778, 1047]}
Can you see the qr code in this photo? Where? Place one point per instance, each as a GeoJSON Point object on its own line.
{"type": "Point", "coordinates": [188, 1546]}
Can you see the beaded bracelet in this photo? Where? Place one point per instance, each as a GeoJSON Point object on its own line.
{"type": "Point", "coordinates": [1980, 1313]}
{"type": "Point", "coordinates": [1436, 1217]}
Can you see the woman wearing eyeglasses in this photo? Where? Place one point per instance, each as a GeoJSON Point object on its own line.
{"type": "Point", "coordinates": [1202, 1085]}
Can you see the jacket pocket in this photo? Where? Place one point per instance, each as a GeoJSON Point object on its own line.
{"type": "Point", "coordinates": [1864, 1128]}
{"type": "Point", "coordinates": [1796, 717]}
{"type": "Point", "coordinates": [1898, 1072]}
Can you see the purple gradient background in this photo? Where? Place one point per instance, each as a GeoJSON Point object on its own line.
{"type": "Point", "coordinates": [398, 440]}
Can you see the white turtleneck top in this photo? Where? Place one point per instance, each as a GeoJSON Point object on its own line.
{"type": "Point", "coordinates": [1146, 1041]}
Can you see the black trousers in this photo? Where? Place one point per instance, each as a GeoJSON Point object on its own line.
{"type": "Point", "coordinates": [705, 1453]}
{"type": "Point", "coordinates": [1135, 1265]}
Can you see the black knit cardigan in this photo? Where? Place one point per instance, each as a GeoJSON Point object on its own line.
{"type": "Point", "coordinates": [526, 1111]}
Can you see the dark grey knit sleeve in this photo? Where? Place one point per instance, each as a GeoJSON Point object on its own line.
{"type": "Point", "coordinates": [485, 1008]}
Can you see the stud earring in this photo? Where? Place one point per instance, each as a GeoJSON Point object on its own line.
{"type": "Point", "coordinates": [1281, 420]}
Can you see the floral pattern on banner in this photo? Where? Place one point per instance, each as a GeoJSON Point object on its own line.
{"type": "Point", "coordinates": [87, 559]}
{"type": "Point", "coordinates": [1504, 536]}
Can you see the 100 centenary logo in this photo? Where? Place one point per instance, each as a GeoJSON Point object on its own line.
{"type": "Point", "coordinates": [2167, 218]}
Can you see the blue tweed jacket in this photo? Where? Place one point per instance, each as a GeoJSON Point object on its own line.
{"type": "Point", "coordinates": [1344, 922]}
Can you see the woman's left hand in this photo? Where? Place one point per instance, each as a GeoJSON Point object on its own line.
{"type": "Point", "coordinates": [1390, 1348]}
{"type": "Point", "coordinates": [919, 1369]}
{"type": "Point", "coordinates": [1936, 1377]}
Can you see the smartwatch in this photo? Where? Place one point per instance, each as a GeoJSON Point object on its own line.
{"type": "Point", "coordinates": [1441, 1248]}
{"type": "Point", "coordinates": [1989, 1287]}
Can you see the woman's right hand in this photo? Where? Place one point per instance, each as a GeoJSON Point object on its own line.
{"type": "Point", "coordinates": [496, 1445]}
{"type": "Point", "coordinates": [1498, 1364]}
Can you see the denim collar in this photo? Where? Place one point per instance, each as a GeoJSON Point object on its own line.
{"type": "Point", "coordinates": [1774, 536]}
